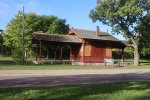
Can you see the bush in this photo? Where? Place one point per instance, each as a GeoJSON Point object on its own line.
{"type": "Point", "coordinates": [18, 56]}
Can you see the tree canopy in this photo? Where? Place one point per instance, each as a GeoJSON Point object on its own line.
{"type": "Point", "coordinates": [144, 30]}
{"type": "Point", "coordinates": [19, 31]}
{"type": "Point", "coordinates": [123, 16]}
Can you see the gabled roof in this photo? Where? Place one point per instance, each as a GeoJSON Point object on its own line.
{"type": "Point", "coordinates": [89, 34]}
{"type": "Point", "coordinates": [56, 38]}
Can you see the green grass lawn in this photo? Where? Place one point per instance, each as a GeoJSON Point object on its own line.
{"type": "Point", "coordinates": [107, 91]}
{"type": "Point", "coordinates": [6, 63]}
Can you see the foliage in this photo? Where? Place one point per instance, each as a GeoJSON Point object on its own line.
{"type": "Point", "coordinates": [58, 26]}
{"type": "Point", "coordinates": [17, 56]}
{"type": "Point", "coordinates": [4, 50]}
{"type": "Point", "coordinates": [128, 53]}
{"type": "Point", "coordinates": [1, 42]}
{"type": "Point", "coordinates": [123, 16]}
{"type": "Point", "coordinates": [1, 39]}
{"type": "Point", "coordinates": [107, 91]}
{"type": "Point", "coordinates": [144, 30]}
{"type": "Point", "coordinates": [19, 32]}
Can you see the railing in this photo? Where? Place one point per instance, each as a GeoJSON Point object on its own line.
{"type": "Point", "coordinates": [109, 61]}
{"type": "Point", "coordinates": [90, 59]}
{"type": "Point", "coordinates": [125, 63]}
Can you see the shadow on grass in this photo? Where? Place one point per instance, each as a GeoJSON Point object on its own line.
{"type": "Point", "coordinates": [7, 62]}
{"type": "Point", "coordinates": [11, 63]}
{"type": "Point", "coordinates": [78, 92]}
{"type": "Point", "coordinates": [107, 91]}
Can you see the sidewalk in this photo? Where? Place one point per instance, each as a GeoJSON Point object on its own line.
{"type": "Point", "coordinates": [69, 72]}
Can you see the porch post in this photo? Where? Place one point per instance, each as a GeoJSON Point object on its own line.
{"type": "Point", "coordinates": [61, 54]}
{"type": "Point", "coordinates": [70, 59]}
{"type": "Point", "coordinates": [55, 54]}
{"type": "Point", "coordinates": [122, 60]}
{"type": "Point", "coordinates": [40, 52]}
{"type": "Point", "coordinates": [37, 52]}
{"type": "Point", "coordinates": [83, 52]}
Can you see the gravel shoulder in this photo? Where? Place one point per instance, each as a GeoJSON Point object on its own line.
{"type": "Point", "coordinates": [23, 78]}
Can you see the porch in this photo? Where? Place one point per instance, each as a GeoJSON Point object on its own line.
{"type": "Point", "coordinates": [40, 40]}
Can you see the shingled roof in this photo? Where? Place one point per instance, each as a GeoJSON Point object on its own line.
{"type": "Point", "coordinates": [56, 38]}
{"type": "Point", "coordinates": [89, 34]}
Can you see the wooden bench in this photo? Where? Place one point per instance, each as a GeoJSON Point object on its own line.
{"type": "Point", "coordinates": [109, 61]}
{"type": "Point", "coordinates": [125, 63]}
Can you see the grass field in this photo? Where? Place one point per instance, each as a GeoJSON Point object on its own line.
{"type": "Point", "coordinates": [6, 63]}
{"type": "Point", "coordinates": [108, 91]}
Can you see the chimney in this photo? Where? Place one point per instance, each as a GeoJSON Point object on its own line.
{"type": "Point", "coordinates": [97, 30]}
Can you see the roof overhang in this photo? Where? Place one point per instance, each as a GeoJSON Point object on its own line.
{"type": "Point", "coordinates": [54, 39]}
{"type": "Point", "coordinates": [108, 43]}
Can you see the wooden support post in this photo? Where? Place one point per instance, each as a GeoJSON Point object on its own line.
{"type": "Point", "coordinates": [55, 55]}
{"type": "Point", "coordinates": [40, 56]}
{"type": "Point", "coordinates": [83, 52]}
{"type": "Point", "coordinates": [61, 54]}
{"type": "Point", "coordinates": [90, 53]}
{"type": "Point", "coordinates": [122, 55]}
{"type": "Point", "coordinates": [70, 54]}
{"type": "Point", "coordinates": [36, 52]}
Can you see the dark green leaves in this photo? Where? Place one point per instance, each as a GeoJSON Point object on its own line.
{"type": "Point", "coordinates": [121, 14]}
{"type": "Point", "coordinates": [19, 31]}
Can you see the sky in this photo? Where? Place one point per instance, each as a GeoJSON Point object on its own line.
{"type": "Point", "coordinates": [76, 12]}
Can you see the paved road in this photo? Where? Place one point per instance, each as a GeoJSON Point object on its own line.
{"type": "Point", "coordinates": [25, 78]}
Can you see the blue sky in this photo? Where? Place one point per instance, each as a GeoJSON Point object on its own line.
{"type": "Point", "coordinates": [74, 11]}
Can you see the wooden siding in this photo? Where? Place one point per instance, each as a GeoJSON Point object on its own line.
{"type": "Point", "coordinates": [108, 53]}
{"type": "Point", "coordinates": [87, 50]}
{"type": "Point", "coordinates": [98, 53]}
{"type": "Point", "coordinates": [91, 52]}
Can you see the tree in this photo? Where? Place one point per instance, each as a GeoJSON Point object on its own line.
{"type": "Point", "coordinates": [15, 37]}
{"type": "Point", "coordinates": [19, 32]}
{"type": "Point", "coordinates": [123, 16]}
{"type": "Point", "coordinates": [1, 42]}
{"type": "Point", "coordinates": [57, 26]}
{"type": "Point", "coordinates": [144, 29]}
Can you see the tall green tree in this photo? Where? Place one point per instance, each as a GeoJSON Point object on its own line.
{"type": "Point", "coordinates": [123, 16]}
{"type": "Point", "coordinates": [19, 32]}
{"type": "Point", "coordinates": [16, 37]}
{"type": "Point", "coordinates": [144, 29]}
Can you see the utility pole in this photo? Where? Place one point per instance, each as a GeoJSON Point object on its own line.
{"type": "Point", "coordinates": [23, 28]}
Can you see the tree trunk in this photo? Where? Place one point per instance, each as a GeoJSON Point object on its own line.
{"type": "Point", "coordinates": [136, 56]}
{"type": "Point", "coordinates": [136, 53]}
